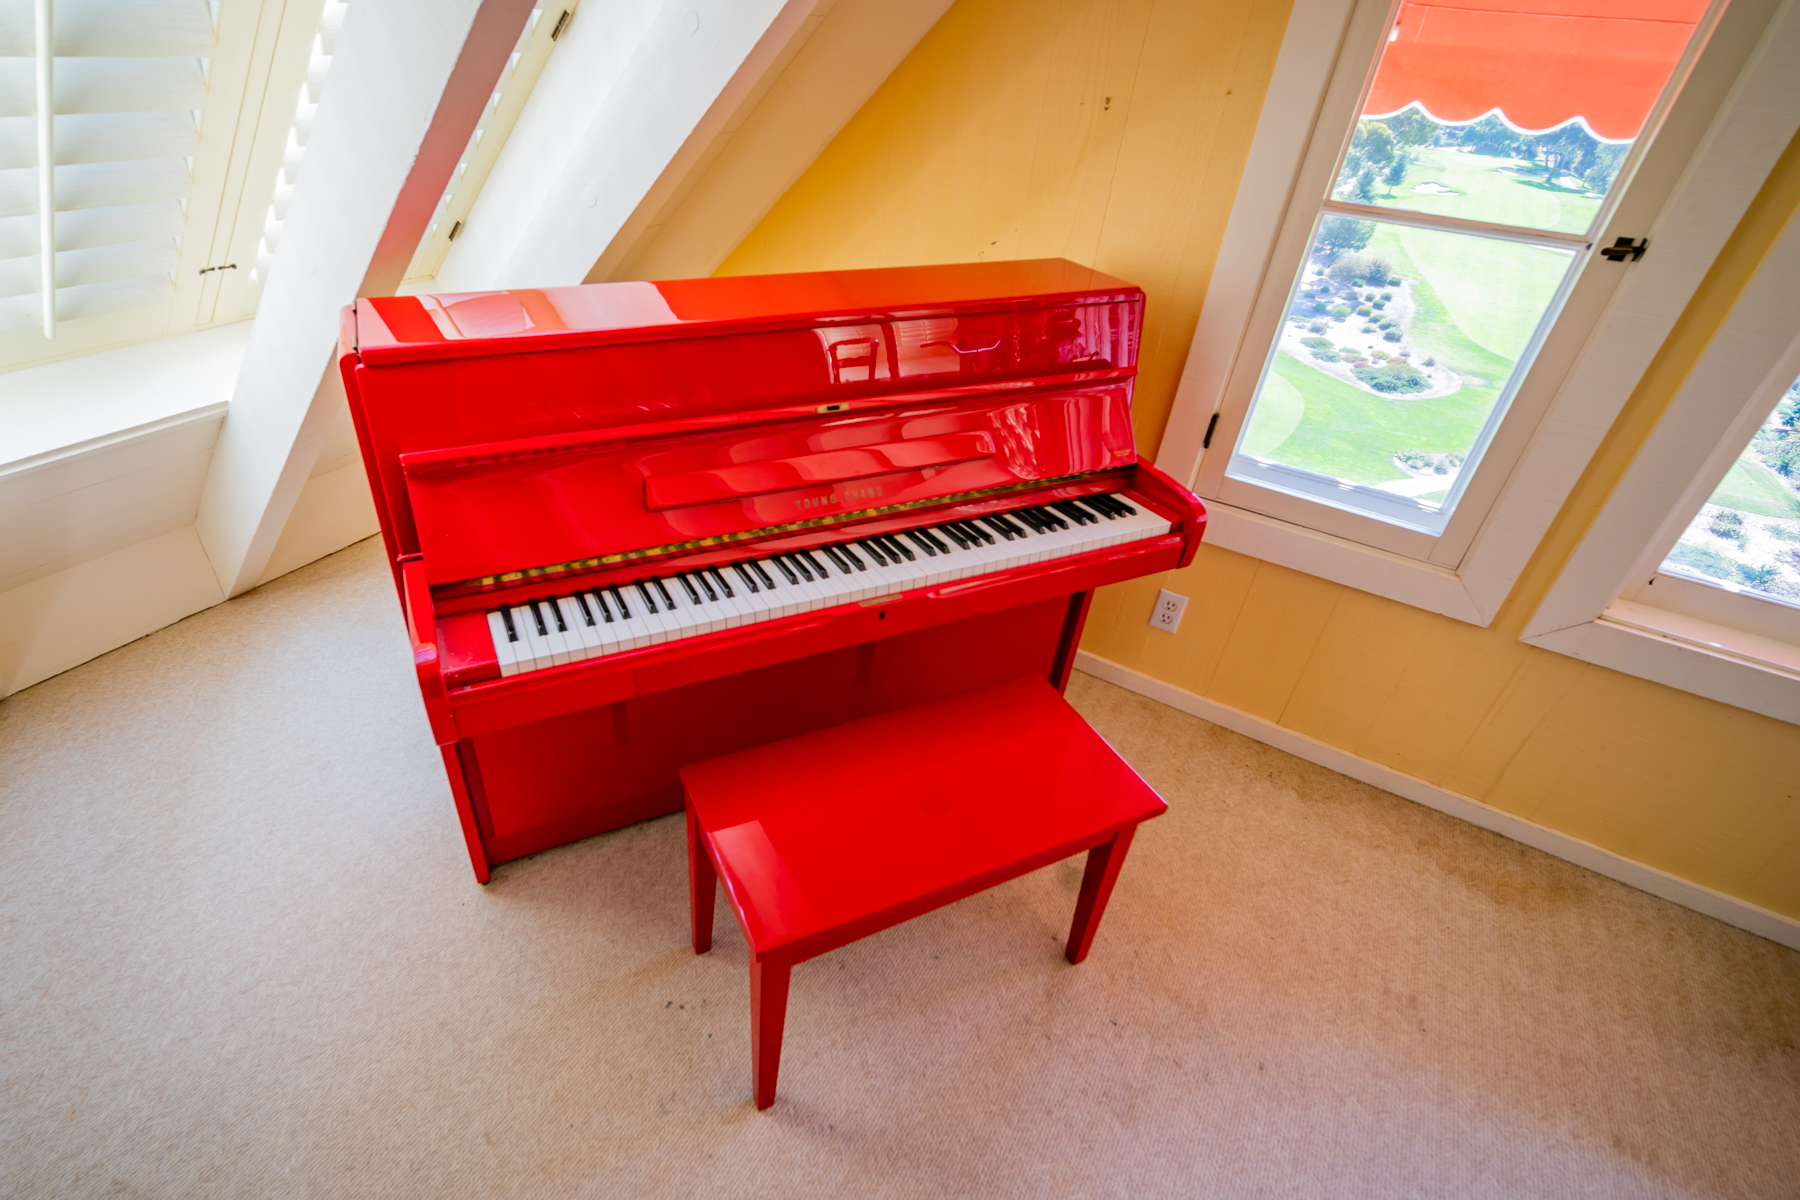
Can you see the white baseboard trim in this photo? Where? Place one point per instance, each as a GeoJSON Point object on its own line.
{"type": "Point", "coordinates": [1673, 888]}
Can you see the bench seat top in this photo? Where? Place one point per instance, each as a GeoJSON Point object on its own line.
{"type": "Point", "coordinates": [892, 815]}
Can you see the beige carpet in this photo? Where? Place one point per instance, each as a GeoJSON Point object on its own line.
{"type": "Point", "coordinates": [244, 956]}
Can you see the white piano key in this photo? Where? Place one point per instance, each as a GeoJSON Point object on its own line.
{"type": "Point", "coordinates": [505, 649]}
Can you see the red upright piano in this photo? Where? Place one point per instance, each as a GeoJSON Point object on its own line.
{"type": "Point", "coordinates": [639, 525]}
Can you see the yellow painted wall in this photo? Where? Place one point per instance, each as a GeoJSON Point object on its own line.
{"type": "Point", "coordinates": [1113, 132]}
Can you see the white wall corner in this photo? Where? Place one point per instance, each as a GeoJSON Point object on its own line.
{"type": "Point", "coordinates": [1746, 916]}
{"type": "Point", "coordinates": [755, 159]}
{"type": "Point", "coordinates": [406, 86]}
{"type": "Point", "coordinates": [62, 620]}
{"type": "Point", "coordinates": [626, 110]}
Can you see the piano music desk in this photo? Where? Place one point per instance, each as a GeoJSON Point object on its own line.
{"type": "Point", "coordinates": [829, 837]}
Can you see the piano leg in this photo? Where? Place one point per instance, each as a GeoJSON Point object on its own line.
{"type": "Point", "coordinates": [1103, 866]}
{"type": "Point", "coordinates": [1070, 641]}
{"type": "Point", "coordinates": [703, 886]}
{"type": "Point", "coordinates": [768, 1013]}
{"type": "Point", "coordinates": [465, 781]}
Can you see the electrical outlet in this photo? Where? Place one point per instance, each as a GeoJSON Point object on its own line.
{"type": "Point", "coordinates": [1166, 616]}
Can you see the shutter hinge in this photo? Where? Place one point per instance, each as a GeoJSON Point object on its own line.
{"type": "Point", "coordinates": [224, 267]}
{"type": "Point", "coordinates": [1206, 442]}
{"type": "Point", "coordinates": [562, 23]}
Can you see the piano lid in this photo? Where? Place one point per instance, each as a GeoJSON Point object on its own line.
{"type": "Point", "coordinates": [396, 329]}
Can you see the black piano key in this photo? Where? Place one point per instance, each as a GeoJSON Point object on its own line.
{"type": "Point", "coordinates": [762, 574]}
{"type": "Point", "coordinates": [1075, 512]}
{"type": "Point", "coordinates": [931, 537]}
{"type": "Point", "coordinates": [649, 600]}
{"type": "Point", "coordinates": [999, 526]}
{"type": "Point", "coordinates": [664, 593]}
{"type": "Point", "coordinates": [786, 570]}
{"type": "Point", "coordinates": [974, 530]}
{"type": "Point", "coordinates": [1129, 511]}
{"type": "Point", "coordinates": [1107, 505]}
{"type": "Point", "coordinates": [512, 635]}
{"type": "Point", "coordinates": [749, 579]}
{"type": "Point", "coordinates": [601, 604]}
{"type": "Point", "coordinates": [819, 569]}
{"type": "Point", "coordinates": [1086, 504]}
{"type": "Point", "coordinates": [719, 578]}
{"type": "Point", "coordinates": [556, 611]}
{"type": "Point", "coordinates": [856, 562]}
{"type": "Point", "coordinates": [955, 535]}
{"type": "Point", "coordinates": [537, 614]}
{"type": "Point", "coordinates": [837, 559]}
{"type": "Point", "coordinates": [1020, 525]}
{"type": "Point", "coordinates": [1050, 515]}
{"type": "Point", "coordinates": [793, 560]}
{"type": "Point", "coordinates": [693, 593]}
{"type": "Point", "coordinates": [897, 548]}
{"type": "Point", "coordinates": [1029, 518]}
{"type": "Point", "coordinates": [619, 599]}
{"type": "Point", "coordinates": [875, 550]}
{"type": "Point", "coordinates": [587, 614]}
{"type": "Point", "coordinates": [912, 535]}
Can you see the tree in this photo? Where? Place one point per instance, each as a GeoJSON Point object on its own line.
{"type": "Point", "coordinates": [1396, 171]}
{"type": "Point", "coordinates": [1491, 135]}
{"type": "Point", "coordinates": [1341, 235]}
{"type": "Point", "coordinates": [1568, 150]}
{"type": "Point", "coordinates": [1411, 127]}
{"type": "Point", "coordinates": [1607, 157]}
{"type": "Point", "coordinates": [1363, 191]}
{"type": "Point", "coordinates": [1374, 142]}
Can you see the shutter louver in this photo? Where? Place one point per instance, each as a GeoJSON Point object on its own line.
{"type": "Point", "coordinates": [130, 84]}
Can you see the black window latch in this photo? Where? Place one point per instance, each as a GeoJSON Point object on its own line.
{"type": "Point", "coordinates": [1625, 250]}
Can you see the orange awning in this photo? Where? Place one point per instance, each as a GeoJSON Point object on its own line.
{"type": "Point", "coordinates": [1538, 63]}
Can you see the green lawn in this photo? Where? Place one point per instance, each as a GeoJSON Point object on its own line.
{"type": "Point", "coordinates": [1351, 434]}
{"type": "Point", "coordinates": [1751, 487]}
{"type": "Point", "coordinates": [1486, 195]}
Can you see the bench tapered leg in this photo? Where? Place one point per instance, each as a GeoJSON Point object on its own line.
{"type": "Point", "coordinates": [768, 1013]}
{"type": "Point", "coordinates": [703, 884]}
{"type": "Point", "coordinates": [1103, 866]}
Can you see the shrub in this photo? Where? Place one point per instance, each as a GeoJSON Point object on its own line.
{"type": "Point", "coordinates": [1392, 335]}
{"type": "Point", "coordinates": [1786, 532]}
{"type": "Point", "coordinates": [1378, 304]}
{"type": "Point", "coordinates": [1386, 296]}
{"type": "Point", "coordinates": [1437, 462]}
{"type": "Point", "coordinates": [1378, 354]}
{"type": "Point", "coordinates": [1363, 310]}
{"type": "Point", "coordinates": [1316, 327]}
{"type": "Point", "coordinates": [1361, 270]}
{"type": "Point", "coordinates": [1340, 312]}
{"type": "Point", "coordinates": [1316, 343]}
{"type": "Point", "coordinates": [1728, 524]}
{"type": "Point", "coordinates": [1760, 578]}
{"type": "Point", "coordinates": [1393, 376]}
{"type": "Point", "coordinates": [1405, 353]}
{"type": "Point", "coordinates": [1431, 362]}
{"type": "Point", "coordinates": [1368, 329]}
{"type": "Point", "coordinates": [1387, 323]}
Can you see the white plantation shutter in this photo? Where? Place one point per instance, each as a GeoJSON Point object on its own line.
{"type": "Point", "coordinates": [131, 87]}
{"type": "Point", "coordinates": [324, 45]}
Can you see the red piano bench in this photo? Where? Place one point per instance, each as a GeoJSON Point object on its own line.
{"type": "Point", "coordinates": [830, 837]}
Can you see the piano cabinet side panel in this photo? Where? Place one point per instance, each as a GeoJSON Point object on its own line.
{"type": "Point", "coordinates": [560, 780]}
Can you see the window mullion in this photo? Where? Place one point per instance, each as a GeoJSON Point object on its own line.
{"type": "Point", "coordinates": [1509, 233]}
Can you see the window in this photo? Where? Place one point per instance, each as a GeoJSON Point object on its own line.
{"type": "Point", "coordinates": [164, 154]}
{"type": "Point", "coordinates": [1687, 576]}
{"type": "Point", "coordinates": [1399, 375]}
{"type": "Point", "coordinates": [1746, 537]}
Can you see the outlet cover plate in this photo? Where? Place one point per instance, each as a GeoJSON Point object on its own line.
{"type": "Point", "coordinates": [1166, 616]}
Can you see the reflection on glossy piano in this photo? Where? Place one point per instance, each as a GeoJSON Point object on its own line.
{"type": "Point", "coordinates": [638, 525]}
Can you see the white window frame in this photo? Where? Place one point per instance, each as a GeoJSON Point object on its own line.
{"type": "Point", "coordinates": [1611, 605]}
{"type": "Point", "coordinates": [1731, 121]}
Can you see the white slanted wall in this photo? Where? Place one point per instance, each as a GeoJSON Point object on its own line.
{"type": "Point", "coordinates": [141, 485]}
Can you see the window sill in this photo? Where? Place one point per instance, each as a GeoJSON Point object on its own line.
{"type": "Point", "coordinates": [1707, 659]}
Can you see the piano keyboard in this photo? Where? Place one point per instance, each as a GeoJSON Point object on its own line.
{"type": "Point", "coordinates": [610, 619]}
